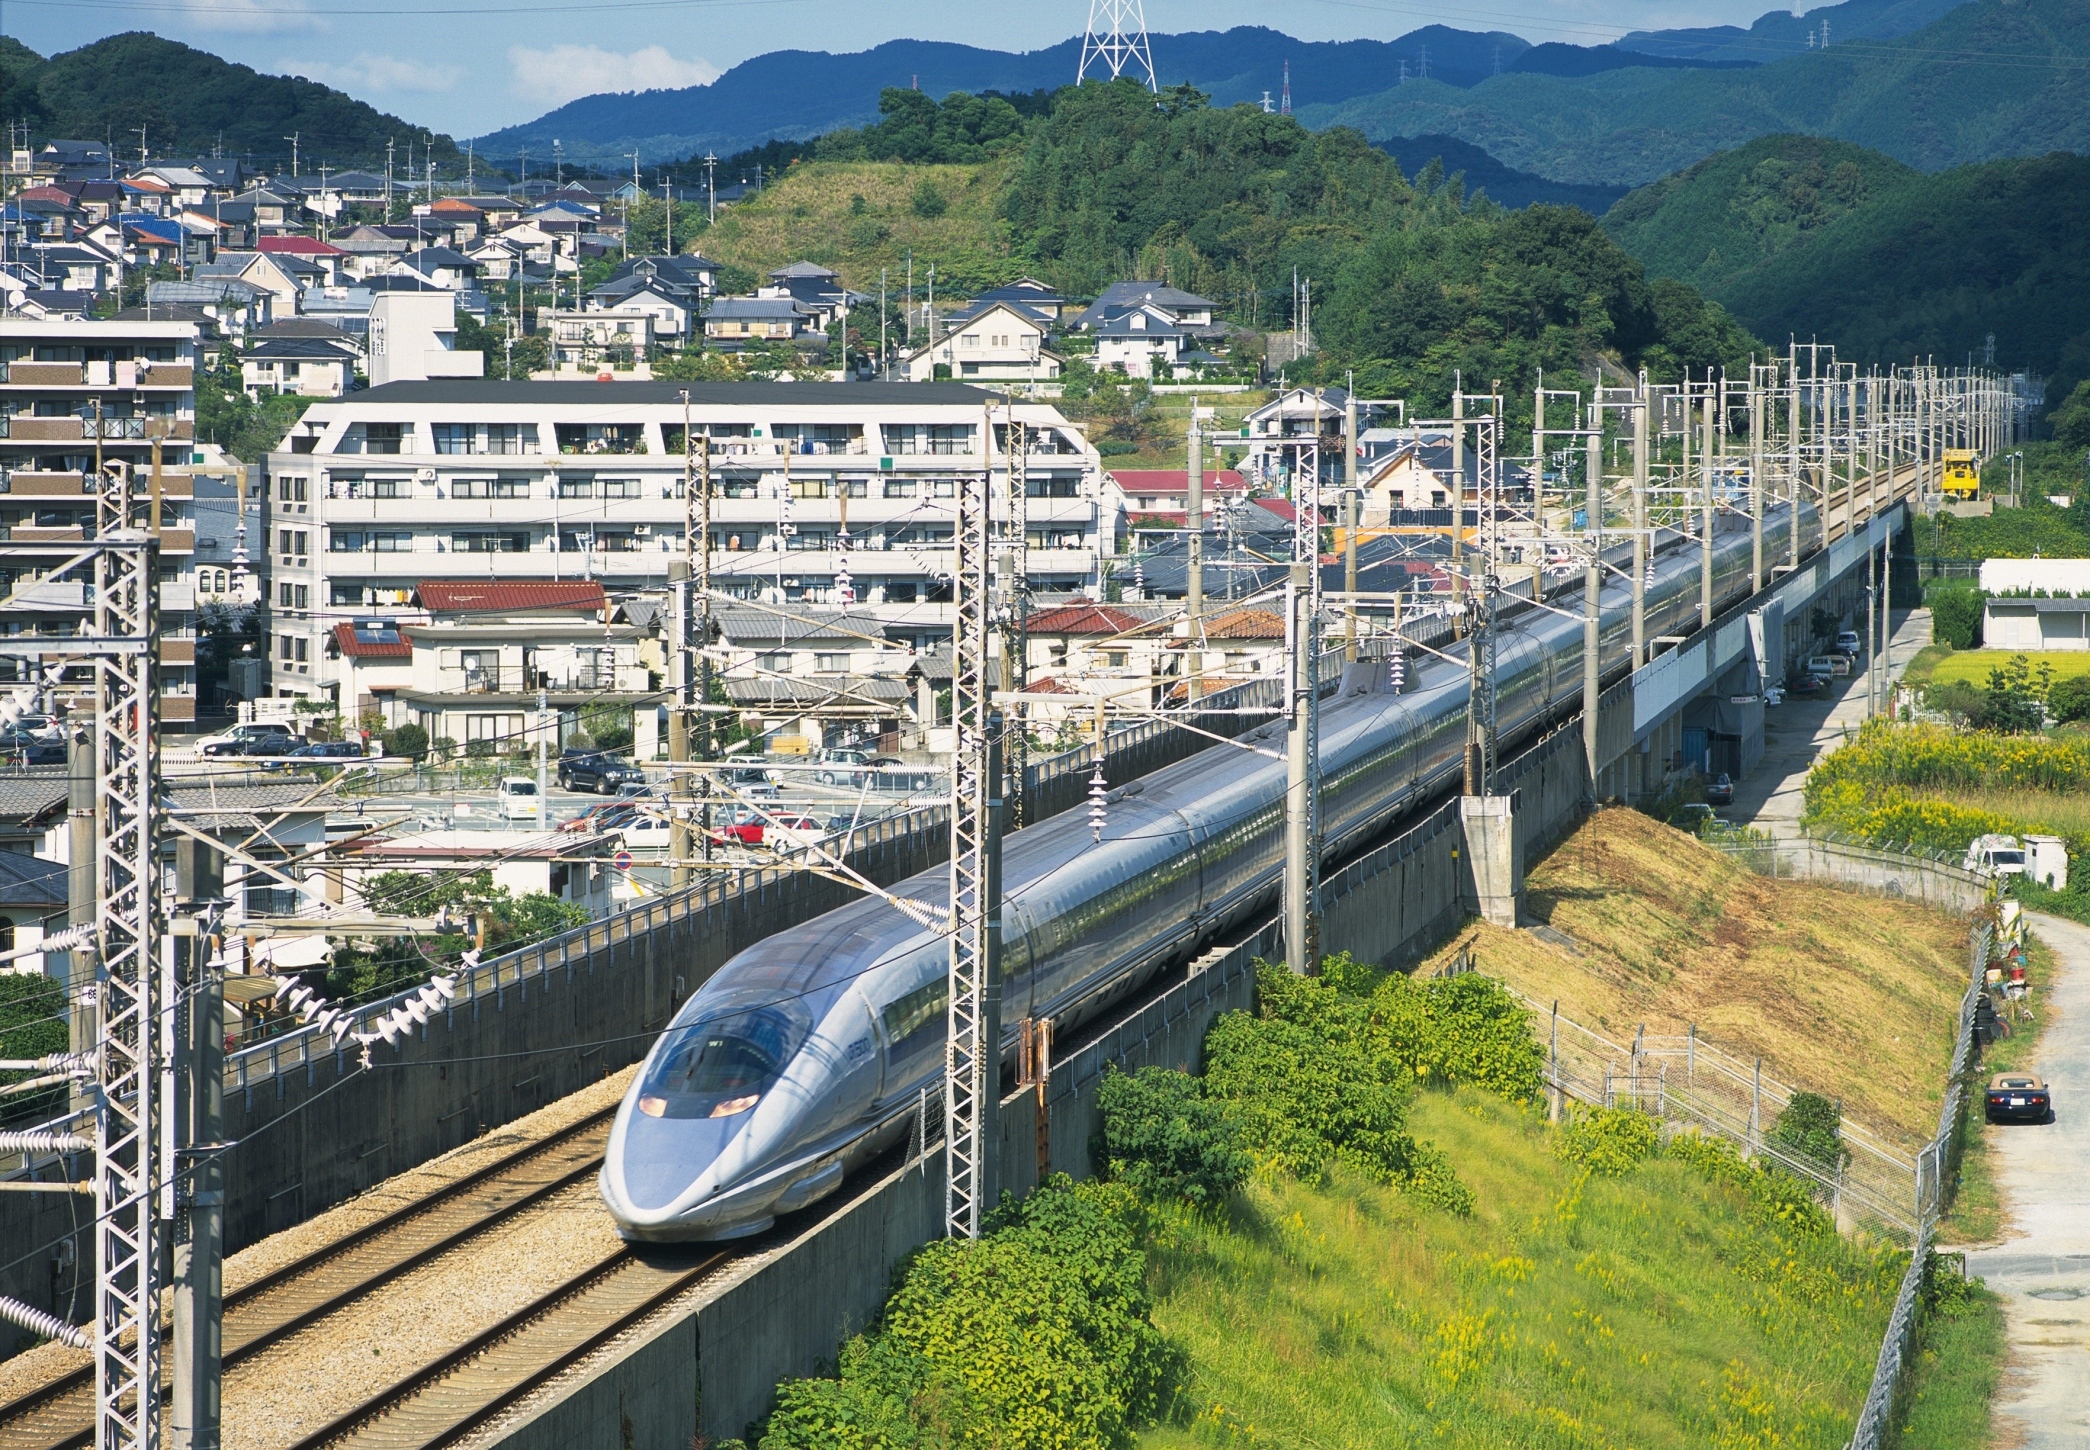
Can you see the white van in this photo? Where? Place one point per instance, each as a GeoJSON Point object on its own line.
{"type": "Point", "coordinates": [1996, 856]}
{"type": "Point", "coordinates": [517, 799]}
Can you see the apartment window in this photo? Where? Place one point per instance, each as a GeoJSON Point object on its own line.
{"type": "Point", "coordinates": [852, 487]}
{"type": "Point", "coordinates": [776, 662]}
{"type": "Point", "coordinates": [836, 664]}
{"type": "Point", "coordinates": [386, 488]}
{"type": "Point", "coordinates": [291, 490]}
{"type": "Point", "coordinates": [454, 438]}
{"type": "Point", "coordinates": [490, 488]}
{"type": "Point", "coordinates": [1052, 487]}
{"type": "Point", "coordinates": [511, 437]}
{"type": "Point", "coordinates": [347, 541]}
{"type": "Point", "coordinates": [385, 437]}
{"type": "Point", "coordinates": [928, 437]}
{"type": "Point", "coordinates": [576, 488]}
{"type": "Point", "coordinates": [290, 541]}
{"type": "Point", "coordinates": [303, 645]}
{"type": "Point", "coordinates": [809, 488]}
{"type": "Point", "coordinates": [491, 543]}
{"type": "Point", "coordinates": [899, 488]}
{"type": "Point", "coordinates": [620, 488]}
{"type": "Point", "coordinates": [301, 596]}
{"type": "Point", "coordinates": [395, 542]}
{"type": "Point", "coordinates": [616, 543]}
{"type": "Point", "coordinates": [283, 647]}
{"type": "Point", "coordinates": [493, 727]}
{"type": "Point", "coordinates": [511, 488]}
{"type": "Point", "coordinates": [282, 596]}
{"type": "Point", "coordinates": [943, 488]}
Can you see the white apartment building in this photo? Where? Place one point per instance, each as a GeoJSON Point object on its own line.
{"type": "Point", "coordinates": [507, 482]}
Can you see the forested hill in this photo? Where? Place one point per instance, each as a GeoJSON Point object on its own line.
{"type": "Point", "coordinates": [1991, 79]}
{"type": "Point", "coordinates": [1409, 285]}
{"type": "Point", "coordinates": [1798, 235]}
{"type": "Point", "coordinates": [1506, 185]}
{"type": "Point", "coordinates": [190, 102]}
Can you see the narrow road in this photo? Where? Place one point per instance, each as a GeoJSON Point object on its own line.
{"type": "Point", "coordinates": [1800, 731]}
{"type": "Point", "coordinates": [2042, 1270]}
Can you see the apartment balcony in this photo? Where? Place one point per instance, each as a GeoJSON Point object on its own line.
{"type": "Point", "coordinates": [44, 375]}
{"type": "Point", "coordinates": [167, 375]}
{"type": "Point", "coordinates": [177, 709]}
{"type": "Point", "coordinates": [177, 541]}
{"type": "Point", "coordinates": [177, 651]}
{"type": "Point", "coordinates": [47, 430]}
{"type": "Point", "coordinates": [137, 430]}
{"type": "Point", "coordinates": [28, 534]}
{"type": "Point", "coordinates": [45, 485]}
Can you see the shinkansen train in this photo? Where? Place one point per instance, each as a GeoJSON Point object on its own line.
{"type": "Point", "coordinates": [805, 1055]}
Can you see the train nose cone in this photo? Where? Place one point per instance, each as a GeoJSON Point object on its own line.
{"type": "Point", "coordinates": [663, 1156]}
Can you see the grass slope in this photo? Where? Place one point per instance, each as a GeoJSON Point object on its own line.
{"type": "Point", "coordinates": [1673, 933]}
{"type": "Point", "coordinates": [815, 214]}
{"type": "Point", "coordinates": [1992, 79]}
{"type": "Point", "coordinates": [1973, 665]}
{"type": "Point", "coordinates": [1653, 1310]}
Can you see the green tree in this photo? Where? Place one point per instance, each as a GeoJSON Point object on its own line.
{"type": "Point", "coordinates": [2070, 421]}
{"type": "Point", "coordinates": [2069, 699]}
{"type": "Point", "coordinates": [1167, 1140]}
{"type": "Point", "coordinates": [1955, 616]}
{"type": "Point", "coordinates": [1811, 1126]}
{"type": "Point", "coordinates": [2008, 706]}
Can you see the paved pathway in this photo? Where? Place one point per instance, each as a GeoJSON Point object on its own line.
{"type": "Point", "coordinates": [1801, 730]}
{"type": "Point", "coordinates": [2042, 1269]}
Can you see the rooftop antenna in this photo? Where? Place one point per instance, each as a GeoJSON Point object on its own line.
{"type": "Point", "coordinates": [1284, 105]}
{"type": "Point", "coordinates": [1122, 43]}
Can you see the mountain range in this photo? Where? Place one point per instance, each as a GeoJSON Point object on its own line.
{"type": "Point", "coordinates": [796, 93]}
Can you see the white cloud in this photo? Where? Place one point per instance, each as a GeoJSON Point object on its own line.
{"type": "Point", "coordinates": [371, 72]}
{"type": "Point", "coordinates": [564, 73]}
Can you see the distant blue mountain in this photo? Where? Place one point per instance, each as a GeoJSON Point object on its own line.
{"type": "Point", "coordinates": [794, 94]}
{"type": "Point", "coordinates": [1781, 33]}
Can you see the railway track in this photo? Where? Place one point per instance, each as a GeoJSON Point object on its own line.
{"type": "Point", "coordinates": [462, 1390]}
{"type": "Point", "coordinates": [59, 1414]}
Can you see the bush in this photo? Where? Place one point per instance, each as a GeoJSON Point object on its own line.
{"type": "Point", "coordinates": [1038, 1335]}
{"type": "Point", "coordinates": [1811, 1126]}
{"type": "Point", "coordinates": [2069, 699]}
{"type": "Point", "coordinates": [478, 749]}
{"type": "Point", "coordinates": [1955, 616]}
{"type": "Point", "coordinates": [1607, 1141]}
{"type": "Point", "coordinates": [407, 740]}
{"type": "Point", "coordinates": [1164, 1139]}
{"type": "Point", "coordinates": [927, 202]}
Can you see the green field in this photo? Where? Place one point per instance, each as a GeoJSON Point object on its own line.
{"type": "Point", "coordinates": [1655, 1309]}
{"type": "Point", "coordinates": [1973, 665]}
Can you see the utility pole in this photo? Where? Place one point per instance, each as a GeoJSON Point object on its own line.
{"type": "Point", "coordinates": [1592, 590]}
{"type": "Point", "coordinates": [292, 138]}
{"type": "Point", "coordinates": [1349, 509]}
{"type": "Point", "coordinates": [711, 186]}
{"type": "Point", "coordinates": [1705, 532]}
{"type": "Point", "coordinates": [1194, 522]}
{"type": "Point", "coordinates": [681, 847]}
{"type": "Point", "coordinates": [199, 1085]}
{"type": "Point", "coordinates": [544, 793]}
{"type": "Point", "coordinates": [1641, 553]}
{"type": "Point", "coordinates": [972, 1052]}
{"type": "Point", "coordinates": [1015, 602]}
{"type": "Point", "coordinates": [1755, 480]}
{"type": "Point", "coordinates": [1301, 930]}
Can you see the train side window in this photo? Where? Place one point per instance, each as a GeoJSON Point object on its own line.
{"type": "Point", "coordinates": [914, 1020]}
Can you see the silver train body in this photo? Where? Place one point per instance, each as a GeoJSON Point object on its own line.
{"type": "Point", "coordinates": [806, 1054]}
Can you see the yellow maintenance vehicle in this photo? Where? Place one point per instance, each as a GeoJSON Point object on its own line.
{"type": "Point", "coordinates": [1962, 474]}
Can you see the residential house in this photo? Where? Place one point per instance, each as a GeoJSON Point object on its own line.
{"type": "Point", "coordinates": [371, 250]}
{"type": "Point", "coordinates": [818, 290]}
{"type": "Point", "coordinates": [443, 267]}
{"type": "Point", "coordinates": [33, 905]}
{"type": "Point", "coordinates": [271, 211]}
{"type": "Point", "coordinates": [326, 260]}
{"type": "Point", "coordinates": [1296, 431]}
{"type": "Point", "coordinates": [308, 367]}
{"type": "Point", "coordinates": [990, 342]}
{"type": "Point", "coordinates": [273, 274]}
{"type": "Point", "coordinates": [413, 337]}
{"type": "Point", "coordinates": [824, 677]}
{"type": "Point", "coordinates": [72, 267]}
{"type": "Point", "coordinates": [1029, 293]}
{"type": "Point", "coordinates": [187, 186]}
{"type": "Point", "coordinates": [577, 867]}
{"type": "Point", "coordinates": [599, 344]}
{"type": "Point", "coordinates": [346, 309]}
{"type": "Point", "coordinates": [1184, 309]}
{"type": "Point", "coordinates": [732, 322]}
{"type": "Point", "coordinates": [1144, 342]}
{"type": "Point", "coordinates": [1161, 496]}
{"type": "Point", "coordinates": [236, 307]}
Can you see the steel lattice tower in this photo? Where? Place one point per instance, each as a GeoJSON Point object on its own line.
{"type": "Point", "coordinates": [1121, 42]}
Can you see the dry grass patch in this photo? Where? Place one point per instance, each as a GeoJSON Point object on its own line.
{"type": "Point", "coordinates": [814, 214]}
{"type": "Point", "coordinates": [1849, 995]}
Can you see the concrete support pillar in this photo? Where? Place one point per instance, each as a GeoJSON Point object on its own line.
{"type": "Point", "coordinates": [1494, 874]}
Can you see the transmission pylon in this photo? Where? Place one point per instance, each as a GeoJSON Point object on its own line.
{"type": "Point", "coordinates": [1284, 102]}
{"type": "Point", "coordinates": [1117, 38]}
{"type": "Point", "coordinates": [972, 1051]}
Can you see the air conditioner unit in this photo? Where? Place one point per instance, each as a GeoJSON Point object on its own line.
{"type": "Point", "coordinates": [424, 475]}
{"type": "Point", "coordinates": [642, 530]}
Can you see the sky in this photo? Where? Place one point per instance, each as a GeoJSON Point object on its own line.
{"type": "Point", "coordinates": [467, 67]}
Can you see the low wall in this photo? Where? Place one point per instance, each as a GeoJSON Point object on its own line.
{"type": "Point", "coordinates": [1905, 875]}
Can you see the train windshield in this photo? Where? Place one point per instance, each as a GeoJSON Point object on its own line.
{"type": "Point", "coordinates": [721, 1067]}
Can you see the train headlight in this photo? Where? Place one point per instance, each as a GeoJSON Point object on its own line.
{"type": "Point", "coordinates": [729, 1107]}
{"type": "Point", "coordinates": [653, 1107]}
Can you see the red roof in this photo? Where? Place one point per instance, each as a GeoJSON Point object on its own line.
{"type": "Point", "coordinates": [364, 649]}
{"type": "Point", "coordinates": [481, 596]}
{"type": "Point", "coordinates": [1175, 480]}
{"type": "Point", "coordinates": [451, 203]}
{"type": "Point", "coordinates": [1246, 624]}
{"type": "Point", "coordinates": [1279, 506]}
{"type": "Point", "coordinates": [299, 247]}
{"type": "Point", "coordinates": [1083, 619]}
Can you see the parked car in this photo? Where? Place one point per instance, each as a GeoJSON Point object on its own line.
{"type": "Point", "coordinates": [1995, 855]}
{"type": "Point", "coordinates": [271, 746]}
{"type": "Point", "coordinates": [2020, 1097]}
{"type": "Point", "coordinates": [1721, 791]}
{"type": "Point", "coordinates": [842, 767]}
{"type": "Point", "coordinates": [39, 752]}
{"type": "Point", "coordinates": [1825, 667]}
{"type": "Point", "coordinates": [317, 750]}
{"type": "Point", "coordinates": [233, 741]}
{"type": "Point", "coordinates": [749, 782]}
{"type": "Point", "coordinates": [597, 771]}
{"type": "Point", "coordinates": [1804, 685]}
{"type": "Point", "coordinates": [1850, 643]}
{"type": "Point", "coordinates": [516, 799]}
{"type": "Point", "coordinates": [789, 832]}
{"type": "Point", "coordinates": [744, 829]}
